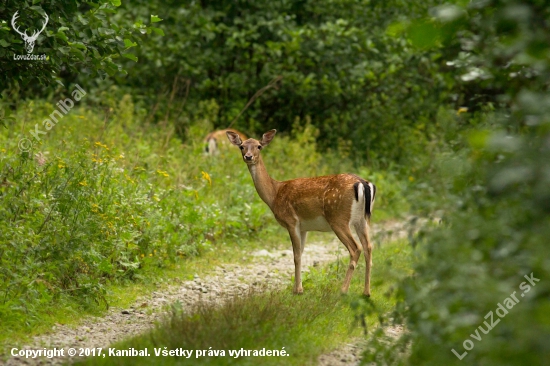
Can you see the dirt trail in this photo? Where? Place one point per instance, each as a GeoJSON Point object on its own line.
{"type": "Point", "coordinates": [350, 354]}
{"type": "Point", "coordinates": [273, 270]}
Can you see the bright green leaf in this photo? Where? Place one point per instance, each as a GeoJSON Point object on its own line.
{"type": "Point", "coordinates": [131, 56]}
{"type": "Point", "coordinates": [155, 19]}
{"type": "Point", "coordinates": [128, 43]}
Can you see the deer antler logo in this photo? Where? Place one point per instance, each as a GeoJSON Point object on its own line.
{"type": "Point", "coordinates": [29, 40]}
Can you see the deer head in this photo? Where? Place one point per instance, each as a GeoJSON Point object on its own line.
{"type": "Point", "coordinates": [29, 40]}
{"type": "Point", "coordinates": [250, 149]}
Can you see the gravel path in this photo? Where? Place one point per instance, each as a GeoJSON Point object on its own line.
{"type": "Point", "coordinates": [273, 270]}
{"type": "Point", "coordinates": [350, 353]}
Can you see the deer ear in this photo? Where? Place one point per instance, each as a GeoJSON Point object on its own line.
{"type": "Point", "coordinates": [267, 137]}
{"type": "Point", "coordinates": [234, 138]}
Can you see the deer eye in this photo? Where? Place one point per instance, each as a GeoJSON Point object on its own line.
{"type": "Point", "coordinates": [241, 147]}
{"type": "Point", "coordinates": [259, 147]}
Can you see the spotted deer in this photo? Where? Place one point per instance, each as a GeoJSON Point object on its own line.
{"type": "Point", "coordinates": [213, 139]}
{"type": "Point", "coordinates": [339, 203]}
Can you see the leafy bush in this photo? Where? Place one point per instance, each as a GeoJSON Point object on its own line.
{"type": "Point", "coordinates": [496, 207]}
{"type": "Point", "coordinates": [96, 202]}
{"type": "Point", "coordinates": [89, 37]}
{"type": "Point", "coordinates": [363, 87]}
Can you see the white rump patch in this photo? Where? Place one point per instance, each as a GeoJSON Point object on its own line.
{"type": "Point", "coordinates": [358, 207]}
{"type": "Point", "coordinates": [371, 187]}
{"type": "Point", "coordinates": [212, 147]}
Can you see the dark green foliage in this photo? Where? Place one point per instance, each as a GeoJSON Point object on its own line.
{"type": "Point", "coordinates": [496, 218]}
{"type": "Point", "coordinates": [364, 90]}
{"type": "Point", "coordinates": [88, 40]}
{"type": "Point", "coordinates": [80, 38]}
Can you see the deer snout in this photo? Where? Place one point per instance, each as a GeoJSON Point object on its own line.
{"type": "Point", "coordinates": [248, 157]}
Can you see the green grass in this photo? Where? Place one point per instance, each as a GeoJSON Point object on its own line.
{"type": "Point", "coordinates": [306, 325]}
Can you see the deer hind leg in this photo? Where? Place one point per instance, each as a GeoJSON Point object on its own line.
{"type": "Point", "coordinates": [362, 230]}
{"type": "Point", "coordinates": [344, 234]}
{"type": "Point", "coordinates": [297, 247]}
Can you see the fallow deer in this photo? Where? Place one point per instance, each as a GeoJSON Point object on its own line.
{"type": "Point", "coordinates": [337, 203]}
{"type": "Point", "coordinates": [218, 137]}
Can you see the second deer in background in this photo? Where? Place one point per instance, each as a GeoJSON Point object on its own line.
{"type": "Point", "coordinates": [213, 139]}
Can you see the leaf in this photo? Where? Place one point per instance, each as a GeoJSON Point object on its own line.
{"type": "Point", "coordinates": [78, 53]}
{"type": "Point", "coordinates": [116, 2]}
{"type": "Point", "coordinates": [395, 29]}
{"type": "Point", "coordinates": [155, 19]}
{"type": "Point", "coordinates": [158, 31]}
{"type": "Point", "coordinates": [129, 44]}
{"type": "Point", "coordinates": [82, 20]}
{"type": "Point", "coordinates": [62, 36]}
{"type": "Point", "coordinates": [478, 139]}
{"type": "Point", "coordinates": [64, 50]}
{"type": "Point", "coordinates": [448, 12]}
{"type": "Point", "coordinates": [105, 31]}
{"type": "Point", "coordinates": [79, 45]}
{"type": "Point", "coordinates": [131, 56]}
{"type": "Point", "coordinates": [3, 43]}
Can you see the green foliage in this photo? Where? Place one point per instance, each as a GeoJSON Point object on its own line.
{"type": "Point", "coordinates": [495, 206]}
{"type": "Point", "coordinates": [96, 203]}
{"type": "Point", "coordinates": [452, 102]}
{"type": "Point", "coordinates": [365, 90]}
{"type": "Point", "coordinates": [85, 38]}
{"type": "Point", "coordinates": [347, 66]}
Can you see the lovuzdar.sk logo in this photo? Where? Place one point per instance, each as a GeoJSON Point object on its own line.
{"type": "Point", "coordinates": [28, 39]}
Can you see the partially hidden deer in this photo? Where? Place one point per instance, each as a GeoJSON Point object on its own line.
{"type": "Point", "coordinates": [339, 203]}
{"type": "Point", "coordinates": [213, 139]}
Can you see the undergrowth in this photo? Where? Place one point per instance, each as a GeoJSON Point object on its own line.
{"type": "Point", "coordinates": [106, 199]}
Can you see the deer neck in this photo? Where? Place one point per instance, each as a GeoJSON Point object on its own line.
{"type": "Point", "coordinates": [265, 185]}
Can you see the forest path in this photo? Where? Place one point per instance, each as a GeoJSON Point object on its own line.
{"type": "Point", "coordinates": [272, 269]}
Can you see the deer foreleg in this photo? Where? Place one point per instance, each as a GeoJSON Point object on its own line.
{"type": "Point", "coordinates": [296, 238]}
